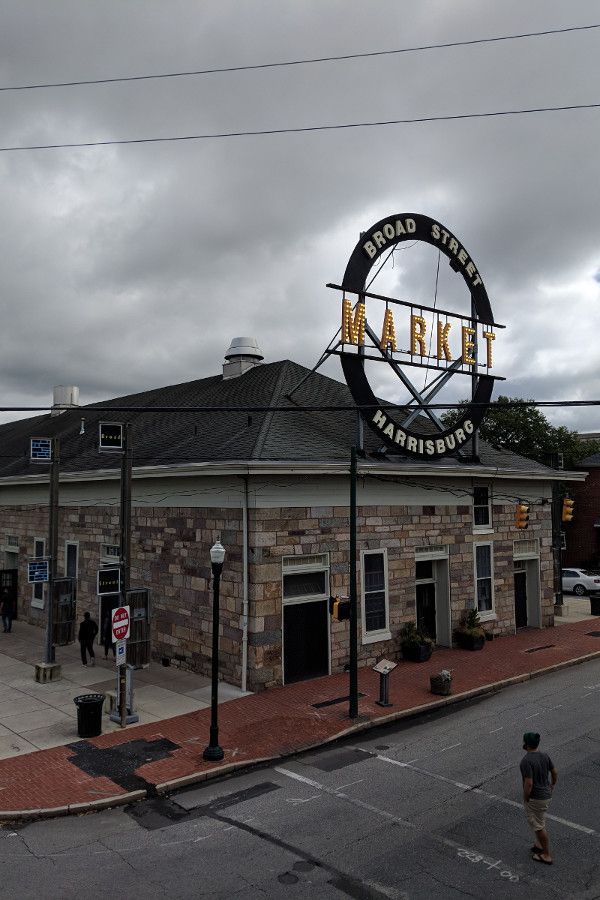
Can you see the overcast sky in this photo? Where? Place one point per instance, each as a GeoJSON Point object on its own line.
{"type": "Point", "coordinates": [130, 267]}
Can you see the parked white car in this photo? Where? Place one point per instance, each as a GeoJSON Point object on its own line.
{"type": "Point", "coordinates": [580, 581]}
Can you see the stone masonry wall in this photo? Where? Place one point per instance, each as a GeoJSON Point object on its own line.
{"type": "Point", "coordinates": [301, 531]}
{"type": "Point", "coordinates": [169, 555]}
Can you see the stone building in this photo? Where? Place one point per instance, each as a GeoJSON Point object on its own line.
{"type": "Point", "coordinates": [272, 481]}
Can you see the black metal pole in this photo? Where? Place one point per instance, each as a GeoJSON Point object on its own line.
{"type": "Point", "coordinates": [125, 525]}
{"type": "Point", "coordinates": [52, 549]}
{"type": "Point", "coordinates": [353, 706]}
{"type": "Point", "coordinates": [214, 752]}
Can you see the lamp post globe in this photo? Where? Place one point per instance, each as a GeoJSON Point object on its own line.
{"type": "Point", "coordinates": [214, 752]}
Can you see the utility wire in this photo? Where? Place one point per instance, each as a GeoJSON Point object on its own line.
{"type": "Point", "coordinates": [341, 407]}
{"type": "Point", "coordinates": [299, 62]}
{"type": "Point", "coordinates": [309, 128]}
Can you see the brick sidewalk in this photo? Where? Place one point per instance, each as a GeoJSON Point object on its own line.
{"type": "Point", "coordinates": [128, 764]}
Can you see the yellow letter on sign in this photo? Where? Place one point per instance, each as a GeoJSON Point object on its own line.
{"type": "Point", "coordinates": [353, 328]}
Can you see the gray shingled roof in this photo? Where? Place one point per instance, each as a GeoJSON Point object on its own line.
{"type": "Point", "coordinates": [170, 438]}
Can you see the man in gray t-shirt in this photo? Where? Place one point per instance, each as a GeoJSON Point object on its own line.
{"type": "Point", "coordinates": [539, 778]}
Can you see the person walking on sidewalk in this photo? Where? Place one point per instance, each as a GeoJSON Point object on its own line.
{"type": "Point", "coordinates": [6, 610]}
{"type": "Point", "coordinates": [539, 779]}
{"type": "Point", "coordinates": [106, 636]}
{"type": "Point", "coordinates": [88, 630]}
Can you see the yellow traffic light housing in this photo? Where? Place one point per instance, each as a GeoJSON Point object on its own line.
{"type": "Point", "coordinates": [339, 609]}
{"type": "Point", "coordinates": [567, 509]}
{"type": "Point", "coordinates": [522, 515]}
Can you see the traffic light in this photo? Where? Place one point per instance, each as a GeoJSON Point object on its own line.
{"type": "Point", "coordinates": [522, 514]}
{"type": "Point", "coordinates": [567, 509]}
{"type": "Point", "coordinates": [339, 609]}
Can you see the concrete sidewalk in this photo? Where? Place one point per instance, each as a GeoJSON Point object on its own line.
{"type": "Point", "coordinates": [38, 716]}
{"type": "Point", "coordinates": [157, 757]}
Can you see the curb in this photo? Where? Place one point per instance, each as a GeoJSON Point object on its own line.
{"type": "Point", "coordinates": [71, 809]}
{"type": "Point", "coordinates": [225, 771]}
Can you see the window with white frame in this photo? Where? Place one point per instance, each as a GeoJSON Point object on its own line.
{"type": "Point", "coordinates": [39, 590]}
{"type": "Point", "coordinates": [484, 578]}
{"type": "Point", "coordinates": [110, 554]}
{"type": "Point", "coordinates": [71, 559]}
{"type": "Point", "coordinates": [482, 508]}
{"type": "Point", "coordinates": [305, 577]}
{"type": "Point", "coordinates": [375, 600]}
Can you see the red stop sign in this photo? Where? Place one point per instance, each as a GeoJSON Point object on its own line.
{"type": "Point", "coordinates": [120, 623]}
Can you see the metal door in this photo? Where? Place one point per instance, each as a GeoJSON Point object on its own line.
{"type": "Point", "coordinates": [9, 580]}
{"type": "Point", "coordinates": [305, 640]}
{"type": "Point", "coordinates": [520, 599]}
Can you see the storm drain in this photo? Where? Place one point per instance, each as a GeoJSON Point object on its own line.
{"type": "Point", "coordinates": [543, 647]}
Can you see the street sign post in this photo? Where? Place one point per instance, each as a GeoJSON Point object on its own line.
{"type": "Point", "coordinates": [120, 623]}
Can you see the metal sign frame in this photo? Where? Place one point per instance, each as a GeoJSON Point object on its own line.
{"type": "Point", "coordinates": [398, 432]}
{"type": "Point", "coordinates": [111, 437]}
{"type": "Point", "coordinates": [108, 581]}
{"type": "Point", "coordinates": [40, 450]}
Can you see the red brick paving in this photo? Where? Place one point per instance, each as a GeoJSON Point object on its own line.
{"type": "Point", "coordinates": [283, 720]}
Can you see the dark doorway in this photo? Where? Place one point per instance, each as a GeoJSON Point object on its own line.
{"type": "Point", "coordinates": [9, 581]}
{"type": "Point", "coordinates": [305, 641]}
{"type": "Point", "coordinates": [521, 599]}
{"type": "Point", "coordinates": [426, 609]}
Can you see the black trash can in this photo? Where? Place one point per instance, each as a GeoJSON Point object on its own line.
{"type": "Point", "coordinates": [89, 714]}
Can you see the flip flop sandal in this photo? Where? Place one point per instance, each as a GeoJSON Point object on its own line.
{"type": "Point", "coordinates": [538, 858]}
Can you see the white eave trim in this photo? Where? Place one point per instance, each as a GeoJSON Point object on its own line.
{"type": "Point", "coordinates": [260, 467]}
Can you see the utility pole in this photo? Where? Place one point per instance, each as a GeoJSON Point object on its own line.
{"type": "Point", "coordinates": [52, 549]}
{"type": "Point", "coordinates": [125, 529]}
{"type": "Point", "coordinates": [557, 499]}
{"type": "Point", "coordinates": [353, 706]}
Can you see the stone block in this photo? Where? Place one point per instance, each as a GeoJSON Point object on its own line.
{"type": "Point", "coordinates": [45, 672]}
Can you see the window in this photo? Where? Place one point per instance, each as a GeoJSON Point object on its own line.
{"type": "Point", "coordinates": [11, 551]}
{"type": "Point", "coordinates": [305, 578]}
{"type": "Point", "coordinates": [39, 590]}
{"type": "Point", "coordinates": [484, 578]}
{"type": "Point", "coordinates": [71, 559]}
{"type": "Point", "coordinates": [482, 508]}
{"type": "Point", "coordinates": [375, 605]}
{"type": "Point", "coordinates": [110, 554]}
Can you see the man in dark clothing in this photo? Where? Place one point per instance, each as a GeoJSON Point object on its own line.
{"type": "Point", "coordinates": [539, 778]}
{"type": "Point", "coordinates": [87, 632]}
{"type": "Point", "coordinates": [6, 610]}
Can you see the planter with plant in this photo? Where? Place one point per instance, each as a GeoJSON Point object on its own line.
{"type": "Point", "coordinates": [441, 682]}
{"type": "Point", "coordinates": [470, 635]}
{"type": "Point", "coordinates": [416, 646]}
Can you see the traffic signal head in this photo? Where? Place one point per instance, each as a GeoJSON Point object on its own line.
{"type": "Point", "coordinates": [339, 609]}
{"type": "Point", "coordinates": [522, 515]}
{"type": "Point", "coordinates": [567, 509]}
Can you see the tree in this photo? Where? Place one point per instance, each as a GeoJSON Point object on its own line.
{"type": "Point", "coordinates": [526, 430]}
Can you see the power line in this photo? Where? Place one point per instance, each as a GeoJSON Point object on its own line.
{"type": "Point", "coordinates": [102, 408]}
{"type": "Point", "coordinates": [306, 129]}
{"type": "Point", "coordinates": [300, 62]}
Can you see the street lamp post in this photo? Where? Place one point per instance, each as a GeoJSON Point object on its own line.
{"type": "Point", "coordinates": [214, 752]}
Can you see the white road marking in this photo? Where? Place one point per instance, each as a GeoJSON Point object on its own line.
{"type": "Point", "coordinates": [333, 792]}
{"type": "Point", "coordinates": [451, 747]}
{"type": "Point", "coordinates": [474, 790]}
{"type": "Point", "coordinates": [295, 801]}
{"type": "Point", "coordinates": [496, 729]}
{"type": "Point", "coordinates": [533, 716]}
{"type": "Point", "coordinates": [350, 783]}
{"type": "Point", "coordinates": [587, 695]}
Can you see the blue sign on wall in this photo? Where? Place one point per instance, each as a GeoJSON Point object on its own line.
{"type": "Point", "coordinates": [41, 449]}
{"type": "Point", "coordinates": [38, 571]}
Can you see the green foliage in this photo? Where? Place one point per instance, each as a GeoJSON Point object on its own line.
{"type": "Point", "coordinates": [471, 623]}
{"type": "Point", "coordinates": [526, 430]}
{"type": "Point", "coordinates": [410, 634]}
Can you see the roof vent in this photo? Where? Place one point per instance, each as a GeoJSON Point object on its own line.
{"type": "Point", "coordinates": [243, 354]}
{"type": "Point", "coordinates": [64, 397]}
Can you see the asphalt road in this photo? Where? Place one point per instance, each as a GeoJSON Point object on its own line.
{"type": "Point", "coordinates": [428, 810]}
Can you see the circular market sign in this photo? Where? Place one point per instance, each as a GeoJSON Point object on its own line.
{"type": "Point", "coordinates": [412, 334]}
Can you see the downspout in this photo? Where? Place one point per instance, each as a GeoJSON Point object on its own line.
{"type": "Point", "coordinates": [245, 587]}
